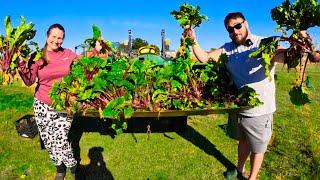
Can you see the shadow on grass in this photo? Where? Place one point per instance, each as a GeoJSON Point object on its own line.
{"type": "Point", "coordinates": [87, 124]}
{"type": "Point", "coordinates": [96, 169]}
{"type": "Point", "coordinates": [142, 125]}
{"type": "Point", "coordinates": [203, 143]}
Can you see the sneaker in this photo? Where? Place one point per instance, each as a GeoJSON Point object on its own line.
{"type": "Point", "coordinates": [234, 175]}
{"type": "Point", "coordinates": [241, 176]}
{"type": "Point", "coordinates": [231, 174]}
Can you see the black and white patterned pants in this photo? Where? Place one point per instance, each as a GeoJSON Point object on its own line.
{"type": "Point", "coordinates": [54, 128]}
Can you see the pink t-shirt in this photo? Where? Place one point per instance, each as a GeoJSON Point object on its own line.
{"type": "Point", "coordinates": [58, 66]}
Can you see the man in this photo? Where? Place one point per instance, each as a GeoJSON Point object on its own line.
{"type": "Point", "coordinates": [255, 124]}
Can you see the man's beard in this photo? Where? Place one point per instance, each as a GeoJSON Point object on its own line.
{"type": "Point", "coordinates": [242, 40]}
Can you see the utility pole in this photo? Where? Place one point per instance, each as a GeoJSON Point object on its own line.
{"type": "Point", "coordinates": [83, 46]}
{"type": "Point", "coordinates": [129, 48]}
{"type": "Point", "coordinates": [162, 42]}
{"type": "Point", "coordinates": [76, 47]}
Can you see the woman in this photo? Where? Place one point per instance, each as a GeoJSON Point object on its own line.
{"type": "Point", "coordinates": [53, 126]}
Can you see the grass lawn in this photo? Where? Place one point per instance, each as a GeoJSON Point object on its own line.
{"type": "Point", "coordinates": [202, 151]}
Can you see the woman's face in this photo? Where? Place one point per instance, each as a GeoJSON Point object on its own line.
{"type": "Point", "coordinates": [55, 39]}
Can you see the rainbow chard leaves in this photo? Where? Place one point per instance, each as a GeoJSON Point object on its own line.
{"type": "Point", "coordinates": [266, 51]}
{"type": "Point", "coordinates": [295, 18]}
{"type": "Point", "coordinates": [16, 40]}
{"type": "Point", "coordinates": [119, 88]}
{"type": "Point", "coordinates": [107, 46]}
{"type": "Point", "coordinates": [188, 17]}
{"type": "Point", "coordinates": [298, 16]}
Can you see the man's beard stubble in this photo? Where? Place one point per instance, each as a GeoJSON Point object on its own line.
{"type": "Point", "coordinates": [240, 41]}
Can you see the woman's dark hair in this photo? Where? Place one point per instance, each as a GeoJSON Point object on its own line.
{"type": "Point", "coordinates": [44, 49]}
{"type": "Point", "coordinates": [59, 26]}
{"type": "Point", "coordinates": [233, 15]}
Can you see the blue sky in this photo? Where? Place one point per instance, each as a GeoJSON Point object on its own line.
{"type": "Point", "coordinates": [144, 18]}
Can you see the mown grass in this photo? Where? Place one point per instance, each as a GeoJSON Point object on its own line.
{"type": "Point", "coordinates": [202, 151]}
{"type": "Point", "coordinates": [295, 151]}
{"type": "Point", "coordinates": [19, 156]}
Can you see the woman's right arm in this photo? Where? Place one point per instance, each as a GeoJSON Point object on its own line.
{"type": "Point", "coordinates": [28, 71]}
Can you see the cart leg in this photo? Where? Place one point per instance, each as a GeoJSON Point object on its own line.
{"type": "Point", "coordinates": [232, 125]}
{"type": "Point", "coordinates": [180, 123]}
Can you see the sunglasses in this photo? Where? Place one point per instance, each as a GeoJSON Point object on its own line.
{"type": "Point", "coordinates": [237, 26]}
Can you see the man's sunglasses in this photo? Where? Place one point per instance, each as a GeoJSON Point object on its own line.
{"type": "Point", "coordinates": [237, 26]}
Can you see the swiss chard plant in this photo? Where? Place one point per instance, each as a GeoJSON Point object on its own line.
{"type": "Point", "coordinates": [296, 18]}
{"type": "Point", "coordinates": [16, 41]}
{"type": "Point", "coordinates": [188, 17]}
{"type": "Point", "coordinates": [107, 47]}
{"type": "Point", "coordinates": [118, 89]}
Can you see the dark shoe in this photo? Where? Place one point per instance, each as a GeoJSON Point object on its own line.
{"type": "Point", "coordinates": [60, 176]}
{"type": "Point", "coordinates": [230, 174]}
{"type": "Point", "coordinates": [234, 175]}
{"type": "Point", "coordinates": [241, 176]}
{"type": "Point", "coordinates": [73, 171]}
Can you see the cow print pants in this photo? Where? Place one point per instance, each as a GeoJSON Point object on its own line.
{"type": "Point", "coordinates": [54, 128]}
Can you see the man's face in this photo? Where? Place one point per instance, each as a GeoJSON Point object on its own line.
{"type": "Point", "coordinates": [238, 30]}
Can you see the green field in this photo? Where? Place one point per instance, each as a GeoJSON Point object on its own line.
{"type": "Point", "coordinates": [202, 151]}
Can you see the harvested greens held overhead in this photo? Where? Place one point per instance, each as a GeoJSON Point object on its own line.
{"type": "Point", "coordinates": [15, 41]}
{"type": "Point", "coordinates": [188, 17]}
{"type": "Point", "coordinates": [294, 18]}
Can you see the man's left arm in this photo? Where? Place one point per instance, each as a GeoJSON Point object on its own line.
{"type": "Point", "coordinates": [315, 56]}
{"type": "Point", "coordinates": [279, 56]}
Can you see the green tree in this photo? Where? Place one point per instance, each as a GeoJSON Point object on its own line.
{"type": "Point", "coordinates": [138, 43]}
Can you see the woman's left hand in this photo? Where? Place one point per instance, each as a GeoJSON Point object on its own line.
{"type": "Point", "coordinates": [98, 46]}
